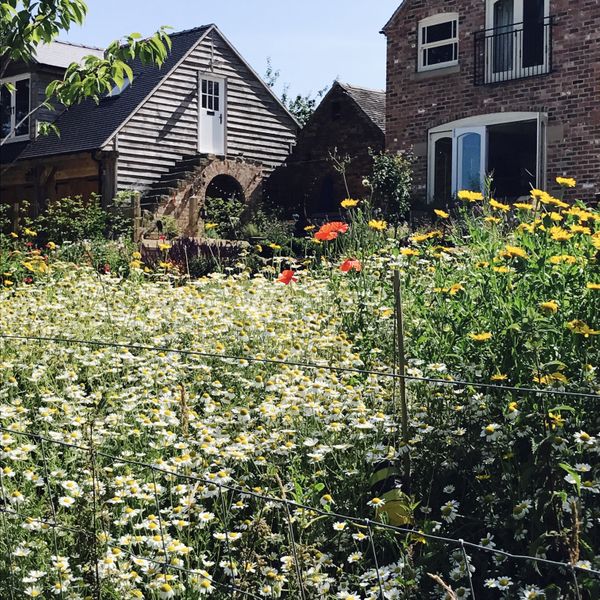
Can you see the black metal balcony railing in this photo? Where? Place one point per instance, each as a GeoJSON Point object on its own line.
{"type": "Point", "coordinates": [513, 51]}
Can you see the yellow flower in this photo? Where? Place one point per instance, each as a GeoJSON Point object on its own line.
{"type": "Point", "coordinates": [513, 252]}
{"type": "Point", "coordinates": [480, 337]}
{"type": "Point", "coordinates": [423, 237]}
{"type": "Point", "coordinates": [524, 206]}
{"type": "Point", "coordinates": [492, 220]}
{"type": "Point", "coordinates": [535, 193]}
{"type": "Point", "coordinates": [580, 229]}
{"type": "Point", "coordinates": [14, 235]}
{"type": "Point", "coordinates": [501, 269]}
{"type": "Point", "coordinates": [310, 227]}
{"type": "Point", "coordinates": [135, 264]}
{"type": "Point", "coordinates": [499, 377]}
{"type": "Point", "coordinates": [51, 246]}
{"type": "Point", "coordinates": [499, 206]}
{"type": "Point", "coordinates": [566, 182]}
{"type": "Point", "coordinates": [556, 420]}
{"type": "Point", "coordinates": [165, 265]}
{"type": "Point", "coordinates": [563, 258]}
{"type": "Point", "coordinates": [409, 252]}
{"type": "Point", "coordinates": [275, 246]}
{"type": "Point", "coordinates": [558, 234]}
{"type": "Point", "coordinates": [581, 328]}
{"type": "Point", "coordinates": [592, 286]}
{"type": "Point", "coordinates": [469, 196]}
{"type": "Point", "coordinates": [349, 203]}
{"type": "Point", "coordinates": [556, 217]}
{"type": "Point", "coordinates": [551, 306]}
{"type": "Point", "coordinates": [164, 246]}
{"type": "Point", "coordinates": [378, 225]}
{"type": "Point", "coordinates": [8, 282]}
{"type": "Point", "coordinates": [209, 226]}
{"type": "Point", "coordinates": [482, 265]}
{"type": "Point", "coordinates": [441, 214]}
{"type": "Point", "coordinates": [29, 232]}
{"type": "Point", "coordinates": [136, 255]}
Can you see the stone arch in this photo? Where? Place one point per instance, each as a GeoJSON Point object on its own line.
{"type": "Point", "coordinates": [186, 204]}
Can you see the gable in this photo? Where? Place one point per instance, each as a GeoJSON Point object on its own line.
{"type": "Point", "coordinates": [395, 16]}
{"type": "Point", "coordinates": [87, 126]}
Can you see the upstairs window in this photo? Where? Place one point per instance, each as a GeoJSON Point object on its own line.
{"type": "Point", "coordinates": [14, 108]}
{"type": "Point", "coordinates": [438, 42]}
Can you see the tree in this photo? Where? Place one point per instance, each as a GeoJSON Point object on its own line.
{"type": "Point", "coordinates": [301, 106]}
{"type": "Point", "coordinates": [26, 24]}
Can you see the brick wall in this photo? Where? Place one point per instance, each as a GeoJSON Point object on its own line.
{"type": "Point", "coordinates": [570, 95]}
{"type": "Point", "coordinates": [300, 185]}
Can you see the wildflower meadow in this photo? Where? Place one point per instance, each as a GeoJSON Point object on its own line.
{"type": "Point", "coordinates": [387, 415]}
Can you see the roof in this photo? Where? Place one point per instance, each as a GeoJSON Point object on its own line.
{"type": "Point", "coordinates": [87, 126]}
{"type": "Point", "coordinates": [371, 102]}
{"type": "Point", "coordinates": [62, 54]}
{"type": "Point", "coordinates": [393, 17]}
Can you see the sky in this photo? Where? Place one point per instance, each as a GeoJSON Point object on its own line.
{"type": "Point", "coordinates": [311, 42]}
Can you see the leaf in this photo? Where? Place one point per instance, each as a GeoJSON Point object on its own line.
{"type": "Point", "coordinates": [576, 476]}
{"type": "Point", "coordinates": [563, 407]}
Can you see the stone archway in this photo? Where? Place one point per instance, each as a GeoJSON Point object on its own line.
{"type": "Point", "coordinates": [244, 178]}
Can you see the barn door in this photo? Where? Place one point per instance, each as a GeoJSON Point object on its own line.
{"type": "Point", "coordinates": [211, 129]}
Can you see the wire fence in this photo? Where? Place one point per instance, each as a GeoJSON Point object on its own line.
{"type": "Point", "coordinates": [233, 537]}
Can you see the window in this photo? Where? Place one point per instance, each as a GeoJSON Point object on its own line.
{"type": "Point", "coordinates": [509, 146]}
{"type": "Point", "coordinates": [438, 42]}
{"type": "Point", "coordinates": [14, 108]}
{"type": "Point", "coordinates": [210, 95]}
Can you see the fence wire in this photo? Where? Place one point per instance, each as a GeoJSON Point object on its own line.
{"type": "Point", "coordinates": [236, 585]}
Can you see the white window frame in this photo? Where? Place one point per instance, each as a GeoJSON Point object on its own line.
{"type": "Point", "coordinates": [484, 121]}
{"type": "Point", "coordinates": [421, 46]}
{"type": "Point", "coordinates": [13, 105]}
{"type": "Point", "coordinates": [493, 77]}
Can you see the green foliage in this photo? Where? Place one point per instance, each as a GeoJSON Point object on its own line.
{"type": "Point", "coordinates": [72, 219]}
{"type": "Point", "coordinates": [391, 183]}
{"type": "Point", "coordinates": [227, 214]}
{"type": "Point", "coordinates": [25, 24]}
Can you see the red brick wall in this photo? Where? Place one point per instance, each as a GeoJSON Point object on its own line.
{"type": "Point", "coordinates": [296, 185]}
{"type": "Point", "coordinates": [570, 94]}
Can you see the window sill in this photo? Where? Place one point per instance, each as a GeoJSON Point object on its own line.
{"type": "Point", "coordinates": [432, 73]}
{"type": "Point", "coordinates": [19, 138]}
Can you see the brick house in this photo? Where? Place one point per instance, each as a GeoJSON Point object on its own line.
{"type": "Point", "coordinates": [204, 124]}
{"type": "Point", "coordinates": [350, 121]}
{"type": "Point", "coordinates": [509, 87]}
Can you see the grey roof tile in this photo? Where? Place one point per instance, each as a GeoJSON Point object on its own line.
{"type": "Point", "coordinates": [372, 102]}
{"type": "Point", "coordinates": [86, 126]}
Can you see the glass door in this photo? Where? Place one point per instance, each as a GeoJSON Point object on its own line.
{"type": "Point", "coordinates": [469, 156]}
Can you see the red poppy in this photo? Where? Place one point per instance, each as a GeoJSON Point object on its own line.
{"type": "Point", "coordinates": [330, 231]}
{"type": "Point", "coordinates": [287, 277]}
{"type": "Point", "coordinates": [349, 264]}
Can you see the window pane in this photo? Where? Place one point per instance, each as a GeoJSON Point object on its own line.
{"type": "Point", "coordinates": [442, 183]}
{"type": "Point", "coordinates": [204, 100]}
{"type": "Point", "coordinates": [441, 54]}
{"type": "Point", "coordinates": [204, 86]}
{"type": "Point", "coordinates": [438, 33]}
{"type": "Point", "coordinates": [22, 106]}
{"type": "Point", "coordinates": [216, 103]}
{"type": "Point", "coordinates": [5, 98]}
{"type": "Point", "coordinates": [470, 167]}
{"type": "Point", "coordinates": [216, 88]}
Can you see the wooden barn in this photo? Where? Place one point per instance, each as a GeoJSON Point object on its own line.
{"type": "Point", "coordinates": [203, 122]}
{"type": "Point", "coordinates": [349, 122]}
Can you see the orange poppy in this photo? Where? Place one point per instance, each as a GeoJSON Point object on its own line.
{"type": "Point", "coordinates": [287, 277]}
{"type": "Point", "coordinates": [330, 231]}
{"type": "Point", "coordinates": [349, 264]}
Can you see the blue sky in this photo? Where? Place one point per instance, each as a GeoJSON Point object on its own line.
{"type": "Point", "coordinates": [312, 42]}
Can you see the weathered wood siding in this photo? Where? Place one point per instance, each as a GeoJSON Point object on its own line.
{"type": "Point", "coordinates": [165, 128]}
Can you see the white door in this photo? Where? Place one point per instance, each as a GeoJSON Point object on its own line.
{"type": "Point", "coordinates": [469, 158]}
{"type": "Point", "coordinates": [211, 129]}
